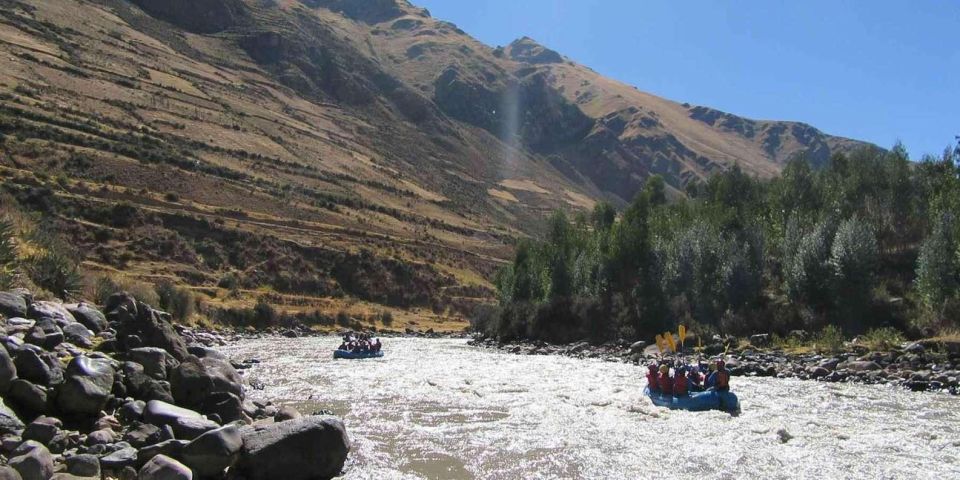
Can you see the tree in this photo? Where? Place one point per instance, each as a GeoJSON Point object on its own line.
{"type": "Point", "coordinates": [937, 266]}
{"type": "Point", "coordinates": [853, 258]}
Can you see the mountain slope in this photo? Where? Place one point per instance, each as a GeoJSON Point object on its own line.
{"type": "Point", "coordinates": [331, 154]}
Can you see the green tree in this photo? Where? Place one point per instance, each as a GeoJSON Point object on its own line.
{"type": "Point", "coordinates": [937, 266]}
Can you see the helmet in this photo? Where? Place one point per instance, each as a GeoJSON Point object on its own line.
{"type": "Point", "coordinates": [664, 369]}
{"type": "Point", "coordinates": [720, 363]}
{"type": "Point", "coordinates": [652, 368]}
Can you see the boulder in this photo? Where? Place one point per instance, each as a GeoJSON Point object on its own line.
{"type": "Point", "coordinates": [33, 461]}
{"type": "Point", "coordinates": [285, 413]}
{"type": "Point", "coordinates": [78, 334]}
{"type": "Point", "coordinates": [211, 453]}
{"type": "Point", "coordinates": [156, 362]}
{"type": "Point", "coordinates": [638, 347]}
{"type": "Point", "coordinates": [119, 459]}
{"type": "Point", "coordinates": [8, 371]}
{"type": "Point", "coordinates": [45, 334]}
{"type": "Point", "coordinates": [860, 366]}
{"type": "Point", "coordinates": [162, 467]}
{"type": "Point", "coordinates": [760, 340]}
{"type": "Point", "coordinates": [42, 429]}
{"type": "Point", "coordinates": [132, 411]}
{"type": "Point", "coordinates": [152, 328]}
{"type": "Point", "coordinates": [84, 466]}
{"type": "Point", "coordinates": [171, 448]}
{"type": "Point", "coordinates": [144, 387]}
{"type": "Point", "coordinates": [12, 305]}
{"type": "Point", "coordinates": [302, 449]}
{"type": "Point", "coordinates": [40, 368]}
{"type": "Point", "coordinates": [52, 311]}
{"type": "Point", "coordinates": [31, 398]}
{"type": "Point", "coordinates": [9, 421]}
{"type": "Point", "coordinates": [103, 436]}
{"type": "Point", "coordinates": [87, 386]}
{"type": "Point", "coordinates": [191, 428]}
{"type": "Point", "coordinates": [8, 473]}
{"type": "Point", "coordinates": [17, 325]}
{"type": "Point", "coordinates": [227, 406]}
{"type": "Point", "coordinates": [142, 435]}
{"type": "Point", "coordinates": [88, 316]}
{"type": "Point", "coordinates": [162, 413]}
{"type": "Point", "coordinates": [196, 379]}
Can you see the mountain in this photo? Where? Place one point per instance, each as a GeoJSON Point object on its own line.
{"type": "Point", "coordinates": [328, 155]}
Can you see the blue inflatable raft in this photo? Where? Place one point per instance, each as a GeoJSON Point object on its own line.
{"type": "Point", "coordinates": [346, 354]}
{"type": "Point", "coordinates": [697, 401]}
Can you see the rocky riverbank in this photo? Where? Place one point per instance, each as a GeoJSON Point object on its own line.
{"type": "Point", "coordinates": [123, 393]}
{"type": "Point", "coordinates": [918, 366]}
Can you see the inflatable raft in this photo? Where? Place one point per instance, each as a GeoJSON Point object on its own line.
{"type": "Point", "coordinates": [346, 354]}
{"type": "Point", "coordinates": [697, 401]}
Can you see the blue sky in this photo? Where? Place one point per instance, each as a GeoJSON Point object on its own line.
{"type": "Point", "coordinates": [876, 70]}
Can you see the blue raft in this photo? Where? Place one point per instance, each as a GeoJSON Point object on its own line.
{"type": "Point", "coordinates": [697, 401]}
{"type": "Point", "coordinates": [346, 354]}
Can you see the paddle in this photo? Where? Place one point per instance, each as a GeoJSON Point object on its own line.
{"type": "Point", "coordinates": [671, 341]}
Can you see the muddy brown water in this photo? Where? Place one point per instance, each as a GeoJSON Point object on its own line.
{"type": "Point", "coordinates": [440, 409]}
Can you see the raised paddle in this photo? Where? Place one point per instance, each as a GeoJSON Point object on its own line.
{"type": "Point", "coordinates": [683, 334]}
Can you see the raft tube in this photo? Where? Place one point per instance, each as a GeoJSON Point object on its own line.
{"type": "Point", "coordinates": [697, 401]}
{"type": "Point", "coordinates": [346, 354]}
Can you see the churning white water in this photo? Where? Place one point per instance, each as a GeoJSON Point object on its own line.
{"type": "Point", "coordinates": [443, 409]}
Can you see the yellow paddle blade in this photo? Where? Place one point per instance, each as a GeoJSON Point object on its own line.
{"type": "Point", "coordinates": [673, 344]}
{"type": "Point", "coordinates": [683, 333]}
{"type": "Point", "coordinates": [659, 340]}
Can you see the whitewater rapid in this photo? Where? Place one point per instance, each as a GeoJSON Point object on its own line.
{"type": "Point", "coordinates": [443, 409]}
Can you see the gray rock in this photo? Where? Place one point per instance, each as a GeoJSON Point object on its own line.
{"type": "Point", "coordinates": [227, 406]}
{"type": "Point", "coordinates": [50, 311]}
{"type": "Point", "coordinates": [41, 368]}
{"type": "Point", "coordinates": [84, 466]}
{"type": "Point", "coordinates": [760, 340]}
{"type": "Point", "coordinates": [8, 371]}
{"type": "Point", "coordinates": [303, 449]}
{"type": "Point", "coordinates": [144, 387]}
{"type": "Point", "coordinates": [171, 448]}
{"type": "Point", "coordinates": [638, 347]}
{"type": "Point", "coordinates": [45, 333]}
{"type": "Point", "coordinates": [9, 421]}
{"type": "Point", "coordinates": [162, 467]}
{"type": "Point", "coordinates": [132, 411]}
{"type": "Point", "coordinates": [8, 473]}
{"type": "Point", "coordinates": [153, 328]}
{"type": "Point", "coordinates": [156, 362]}
{"type": "Point", "coordinates": [17, 325]}
{"type": "Point", "coordinates": [195, 379]}
{"type": "Point", "coordinates": [163, 413]}
{"type": "Point", "coordinates": [87, 386]}
{"type": "Point", "coordinates": [860, 366]}
{"type": "Point", "coordinates": [26, 395]}
{"type": "Point", "coordinates": [12, 305]}
{"type": "Point", "coordinates": [34, 463]}
{"type": "Point", "coordinates": [818, 372]}
{"type": "Point", "coordinates": [285, 413]}
{"type": "Point", "coordinates": [104, 436]}
{"type": "Point", "coordinates": [191, 428]}
{"type": "Point", "coordinates": [142, 435]}
{"type": "Point", "coordinates": [78, 334]}
{"type": "Point", "coordinates": [42, 429]}
{"type": "Point", "coordinates": [88, 316]}
{"type": "Point", "coordinates": [124, 457]}
{"type": "Point", "coordinates": [211, 453]}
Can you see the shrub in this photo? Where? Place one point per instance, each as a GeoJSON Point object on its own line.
{"type": "Point", "coordinates": [882, 339]}
{"type": "Point", "coordinates": [829, 340]}
{"type": "Point", "coordinates": [55, 272]}
{"type": "Point", "coordinates": [106, 285]}
{"type": "Point", "coordinates": [343, 319]}
{"type": "Point", "coordinates": [386, 318]}
{"type": "Point", "coordinates": [8, 254]}
{"type": "Point", "coordinates": [180, 302]}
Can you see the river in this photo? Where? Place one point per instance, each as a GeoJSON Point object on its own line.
{"type": "Point", "coordinates": [442, 409]}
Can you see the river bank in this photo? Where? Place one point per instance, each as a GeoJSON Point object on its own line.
{"type": "Point", "coordinates": [917, 366]}
{"type": "Point", "coordinates": [123, 393]}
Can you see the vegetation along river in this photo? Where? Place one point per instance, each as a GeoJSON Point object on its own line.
{"type": "Point", "coordinates": [443, 409]}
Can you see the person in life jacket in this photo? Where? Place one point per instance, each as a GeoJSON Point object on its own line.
{"type": "Point", "coordinates": [680, 382]}
{"type": "Point", "coordinates": [664, 380]}
{"type": "Point", "coordinates": [711, 380]}
{"type": "Point", "coordinates": [722, 383]}
{"type": "Point", "coordinates": [652, 383]}
{"type": "Point", "coordinates": [695, 380]}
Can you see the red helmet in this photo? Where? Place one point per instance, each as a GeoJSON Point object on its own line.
{"type": "Point", "coordinates": [720, 363]}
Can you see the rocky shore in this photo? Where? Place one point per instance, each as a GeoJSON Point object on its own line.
{"type": "Point", "coordinates": [122, 393]}
{"type": "Point", "coordinates": [918, 366]}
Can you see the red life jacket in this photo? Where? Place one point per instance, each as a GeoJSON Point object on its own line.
{"type": "Point", "coordinates": [666, 383]}
{"type": "Point", "coordinates": [652, 382]}
{"type": "Point", "coordinates": [679, 385]}
{"type": "Point", "coordinates": [723, 381]}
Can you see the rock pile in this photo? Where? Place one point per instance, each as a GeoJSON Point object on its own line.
{"type": "Point", "coordinates": [126, 394]}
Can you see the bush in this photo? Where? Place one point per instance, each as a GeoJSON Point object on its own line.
{"type": "Point", "coordinates": [829, 340]}
{"type": "Point", "coordinates": [386, 318]}
{"type": "Point", "coordinates": [180, 302]}
{"type": "Point", "coordinates": [106, 285]}
{"type": "Point", "coordinates": [8, 254]}
{"type": "Point", "coordinates": [55, 272]}
{"type": "Point", "coordinates": [882, 339]}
